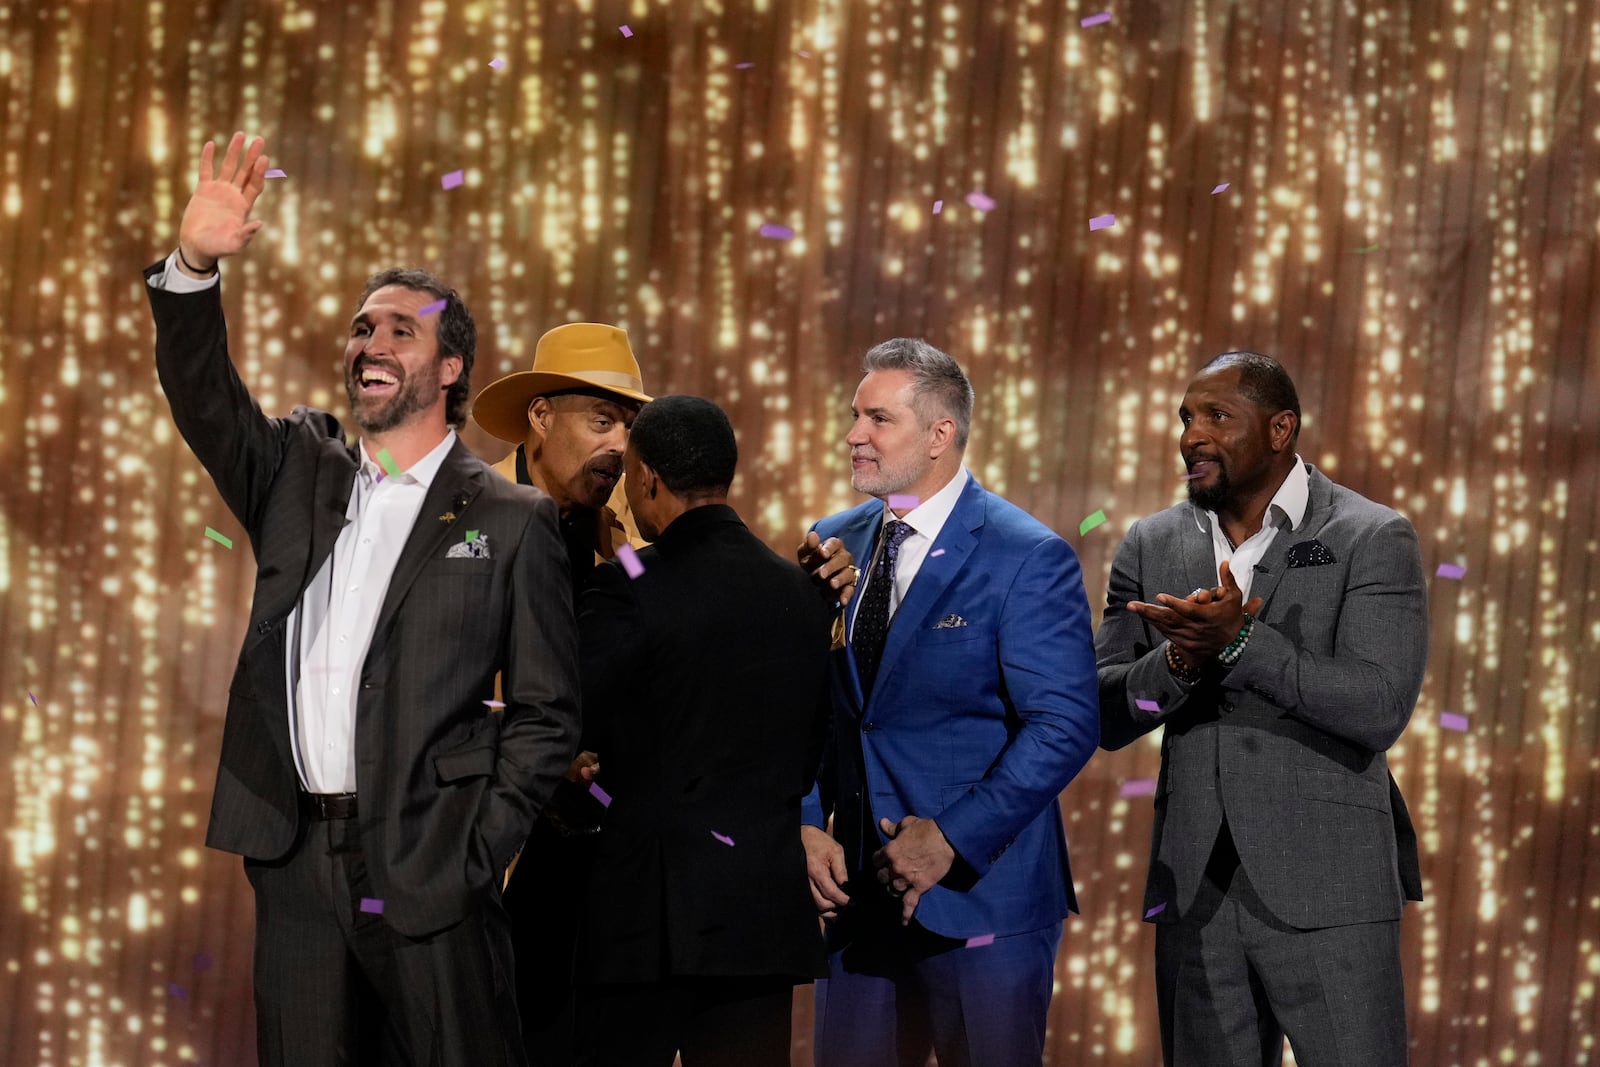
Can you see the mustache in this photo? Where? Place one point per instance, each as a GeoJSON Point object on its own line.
{"type": "Point", "coordinates": [363, 361]}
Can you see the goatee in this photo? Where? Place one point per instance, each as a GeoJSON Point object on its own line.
{"type": "Point", "coordinates": [1211, 497]}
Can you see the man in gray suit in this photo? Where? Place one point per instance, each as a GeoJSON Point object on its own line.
{"type": "Point", "coordinates": [1282, 851]}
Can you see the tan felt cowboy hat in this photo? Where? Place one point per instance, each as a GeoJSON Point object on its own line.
{"type": "Point", "coordinates": [579, 355]}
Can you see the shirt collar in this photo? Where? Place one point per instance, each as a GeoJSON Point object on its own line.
{"type": "Point", "coordinates": [929, 517]}
{"type": "Point", "coordinates": [1289, 503]}
{"type": "Point", "coordinates": [422, 472]}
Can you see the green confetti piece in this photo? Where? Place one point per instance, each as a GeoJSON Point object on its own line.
{"type": "Point", "coordinates": [1091, 522]}
{"type": "Point", "coordinates": [472, 535]}
{"type": "Point", "coordinates": [387, 462]}
{"type": "Point", "coordinates": [1364, 251]}
{"type": "Point", "coordinates": [222, 539]}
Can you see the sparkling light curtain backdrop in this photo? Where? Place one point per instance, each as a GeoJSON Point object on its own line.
{"type": "Point", "coordinates": [1409, 221]}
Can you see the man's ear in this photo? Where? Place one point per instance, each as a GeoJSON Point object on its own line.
{"type": "Point", "coordinates": [942, 435]}
{"type": "Point", "coordinates": [1282, 430]}
{"type": "Point", "coordinates": [649, 480]}
{"type": "Point", "coordinates": [450, 370]}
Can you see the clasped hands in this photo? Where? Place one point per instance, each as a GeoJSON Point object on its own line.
{"type": "Point", "coordinates": [915, 859]}
{"type": "Point", "coordinates": [1203, 623]}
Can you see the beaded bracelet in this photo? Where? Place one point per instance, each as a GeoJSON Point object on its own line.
{"type": "Point", "coordinates": [1181, 671]}
{"type": "Point", "coordinates": [1230, 655]}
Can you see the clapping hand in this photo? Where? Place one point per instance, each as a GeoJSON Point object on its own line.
{"type": "Point", "coordinates": [1204, 623]}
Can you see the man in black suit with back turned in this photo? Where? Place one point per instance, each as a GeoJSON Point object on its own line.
{"type": "Point", "coordinates": [375, 798]}
{"type": "Point", "coordinates": [705, 696]}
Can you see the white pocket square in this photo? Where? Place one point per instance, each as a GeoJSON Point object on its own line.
{"type": "Point", "coordinates": [477, 548]}
{"type": "Point", "coordinates": [950, 622]}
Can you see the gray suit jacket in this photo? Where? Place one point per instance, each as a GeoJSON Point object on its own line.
{"type": "Point", "coordinates": [1289, 744]}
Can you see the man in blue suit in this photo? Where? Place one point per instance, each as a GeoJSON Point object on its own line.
{"type": "Point", "coordinates": [964, 701]}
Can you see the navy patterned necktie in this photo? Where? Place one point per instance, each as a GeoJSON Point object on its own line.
{"type": "Point", "coordinates": [872, 621]}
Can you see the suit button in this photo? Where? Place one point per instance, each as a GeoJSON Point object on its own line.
{"type": "Point", "coordinates": [868, 727]}
{"type": "Point", "coordinates": [1227, 705]}
{"type": "Point", "coordinates": [263, 626]}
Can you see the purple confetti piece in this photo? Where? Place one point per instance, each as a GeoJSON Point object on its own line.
{"type": "Point", "coordinates": [776, 232]}
{"type": "Point", "coordinates": [902, 502]}
{"type": "Point", "coordinates": [497, 64]}
{"type": "Point", "coordinates": [33, 698]}
{"type": "Point", "coordinates": [804, 53]}
{"type": "Point", "coordinates": [496, 704]}
{"type": "Point", "coordinates": [453, 179]}
{"type": "Point", "coordinates": [980, 201]}
{"type": "Point", "coordinates": [980, 941]}
{"type": "Point", "coordinates": [936, 552]}
{"type": "Point", "coordinates": [724, 838]}
{"type": "Point", "coordinates": [630, 561]}
{"type": "Point", "coordinates": [1095, 20]}
{"type": "Point", "coordinates": [202, 962]}
{"type": "Point", "coordinates": [275, 172]}
{"type": "Point", "coordinates": [1138, 787]}
{"type": "Point", "coordinates": [600, 794]}
{"type": "Point", "coordinates": [433, 308]}
{"type": "Point", "coordinates": [372, 905]}
{"type": "Point", "coordinates": [1157, 910]}
{"type": "Point", "coordinates": [1452, 720]}
{"type": "Point", "coordinates": [1102, 222]}
{"type": "Point", "coordinates": [746, 65]}
{"type": "Point", "coordinates": [1147, 705]}
{"type": "Point", "coordinates": [625, 31]}
{"type": "Point", "coordinates": [1220, 189]}
{"type": "Point", "coordinates": [1451, 570]}
{"type": "Point", "coordinates": [176, 990]}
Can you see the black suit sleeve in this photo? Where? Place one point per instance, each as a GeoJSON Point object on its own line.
{"type": "Point", "coordinates": [611, 638]}
{"type": "Point", "coordinates": [541, 725]}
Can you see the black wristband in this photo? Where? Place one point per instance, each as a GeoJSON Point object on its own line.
{"type": "Point", "coordinates": [185, 261]}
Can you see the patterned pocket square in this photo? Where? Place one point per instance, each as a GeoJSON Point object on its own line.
{"type": "Point", "coordinates": [1311, 553]}
{"type": "Point", "coordinates": [950, 622]}
{"type": "Point", "coordinates": [477, 548]}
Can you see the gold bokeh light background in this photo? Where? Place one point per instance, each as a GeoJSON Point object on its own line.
{"type": "Point", "coordinates": [1409, 222]}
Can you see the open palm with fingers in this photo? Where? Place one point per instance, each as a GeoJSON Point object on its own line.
{"type": "Point", "coordinates": [217, 221]}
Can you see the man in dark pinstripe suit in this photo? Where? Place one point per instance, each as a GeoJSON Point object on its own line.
{"type": "Point", "coordinates": [1282, 851]}
{"type": "Point", "coordinates": [374, 796]}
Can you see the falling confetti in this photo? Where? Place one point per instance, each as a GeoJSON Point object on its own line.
{"type": "Point", "coordinates": [202, 962]}
{"type": "Point", "coordinates": [1453, 720]}
{"type": "Point", "coordinates": [1138, 787]}
{"type": "Point", "coordinates": [746, 65]}
{"type": "Point", "coordinates": [1451, 570]}
{"type": "Point", "coordinates": [497, 64]}
{"type": "Point", "coordinates": [387, 462]}
{"type": "Point", "coordinates": [1364, 251]}
{"type": "Point", "coordinates": [979, 201]}
{"type": "Point", "coordinates": [903, 502]}
{"type": "Point", "coordinates": [494, 704]}
{"type": "Point", "coordinates": [1102, 222]}
{"type": "Point", "coordinates": [600, 794]}
{"type": "Point", "coordinates": [936, 552]}
{"type": "Point", "coordinates": [776, 232]}
{"type": "Point", "coordinates": [630, 561]}
{"type": "Point", "coordinates": [1147, 705]}
{"type": "Point", "coordinates": [625, 31]}
{"type": "Point", "coordinates": [275, 172]}
{"type": "Point", "coordinates": [433, 308]}
{"type": "Point", "coordinates": [33, 698]}
{"type": "Point", "coordinates": [1220, 189]}
{"type": "Point", "coordinates": [372, 905]}
{"type": "Point", "coordinates": [724, 838]}
{"type": "Point", "coordinates": [453, 179]}
{"type": "Point", "coordinates": [1091, 522]}
{"type": "Point", "coordinates": [472, 535]}
{"type": "Point", "coordinates": [980, 941]}
{"type": "Point", "coordinates": [938, 206]}
{"type": "Point", "coordinates": [1157, 910]}
{"type": "Point", "coordinates": [1095, 20]}
{"type": "Point", "coordinates": [222, 539]}
{"type": "Point", "coordinates": [177, 991]}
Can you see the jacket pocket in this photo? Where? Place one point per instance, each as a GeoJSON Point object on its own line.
{"type": "Point", "coordinates": [460, 764]}
{"type": "Point", "coordinates": [1336, 788]}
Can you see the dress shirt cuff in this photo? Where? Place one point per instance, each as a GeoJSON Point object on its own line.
{"type": "Point", "coordinates": [172, 279]}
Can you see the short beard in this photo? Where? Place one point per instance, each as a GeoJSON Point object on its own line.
{"type": "Point", "coordinates": [416, 395]}
{"type": "Point", "coordinates": [1211, 498]}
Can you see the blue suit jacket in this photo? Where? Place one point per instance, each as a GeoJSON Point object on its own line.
{"type": "Point", "coordinates": [979, 726]}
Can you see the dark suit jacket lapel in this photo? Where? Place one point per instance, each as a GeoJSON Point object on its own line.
{"type": "Point", "coordinates": [860, 538]}
{"type": "Point", "coordinates": [1269, 572]}
{"type": "Point", "coordinates": [453, 488]}
{"type": "Point", "coordinates": [958, 538]}
{"type": "Point", "coordinates": [1199, 556]}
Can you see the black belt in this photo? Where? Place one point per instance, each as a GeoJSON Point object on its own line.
{"type": "Point", "coordinates": [328, 805]}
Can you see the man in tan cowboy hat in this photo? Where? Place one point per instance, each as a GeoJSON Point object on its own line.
{"type": "Point", "coordinates": [569, 417]}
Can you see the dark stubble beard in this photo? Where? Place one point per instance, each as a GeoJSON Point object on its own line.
{"type": "Point", "coordinates": [1212, 497]}
{"type": "Point", "coordinates": [416, 394]}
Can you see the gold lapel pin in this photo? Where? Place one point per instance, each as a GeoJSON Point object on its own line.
{"type": "Point", "coordinates": [448, 516]}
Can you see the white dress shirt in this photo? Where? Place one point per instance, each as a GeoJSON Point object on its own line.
{"type": "Point", "coordinates": [925, 520]}
{"type": "Point", "coordinates": [331, 628]}
{"type": "Point", "coordinates": [1288, 508]}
